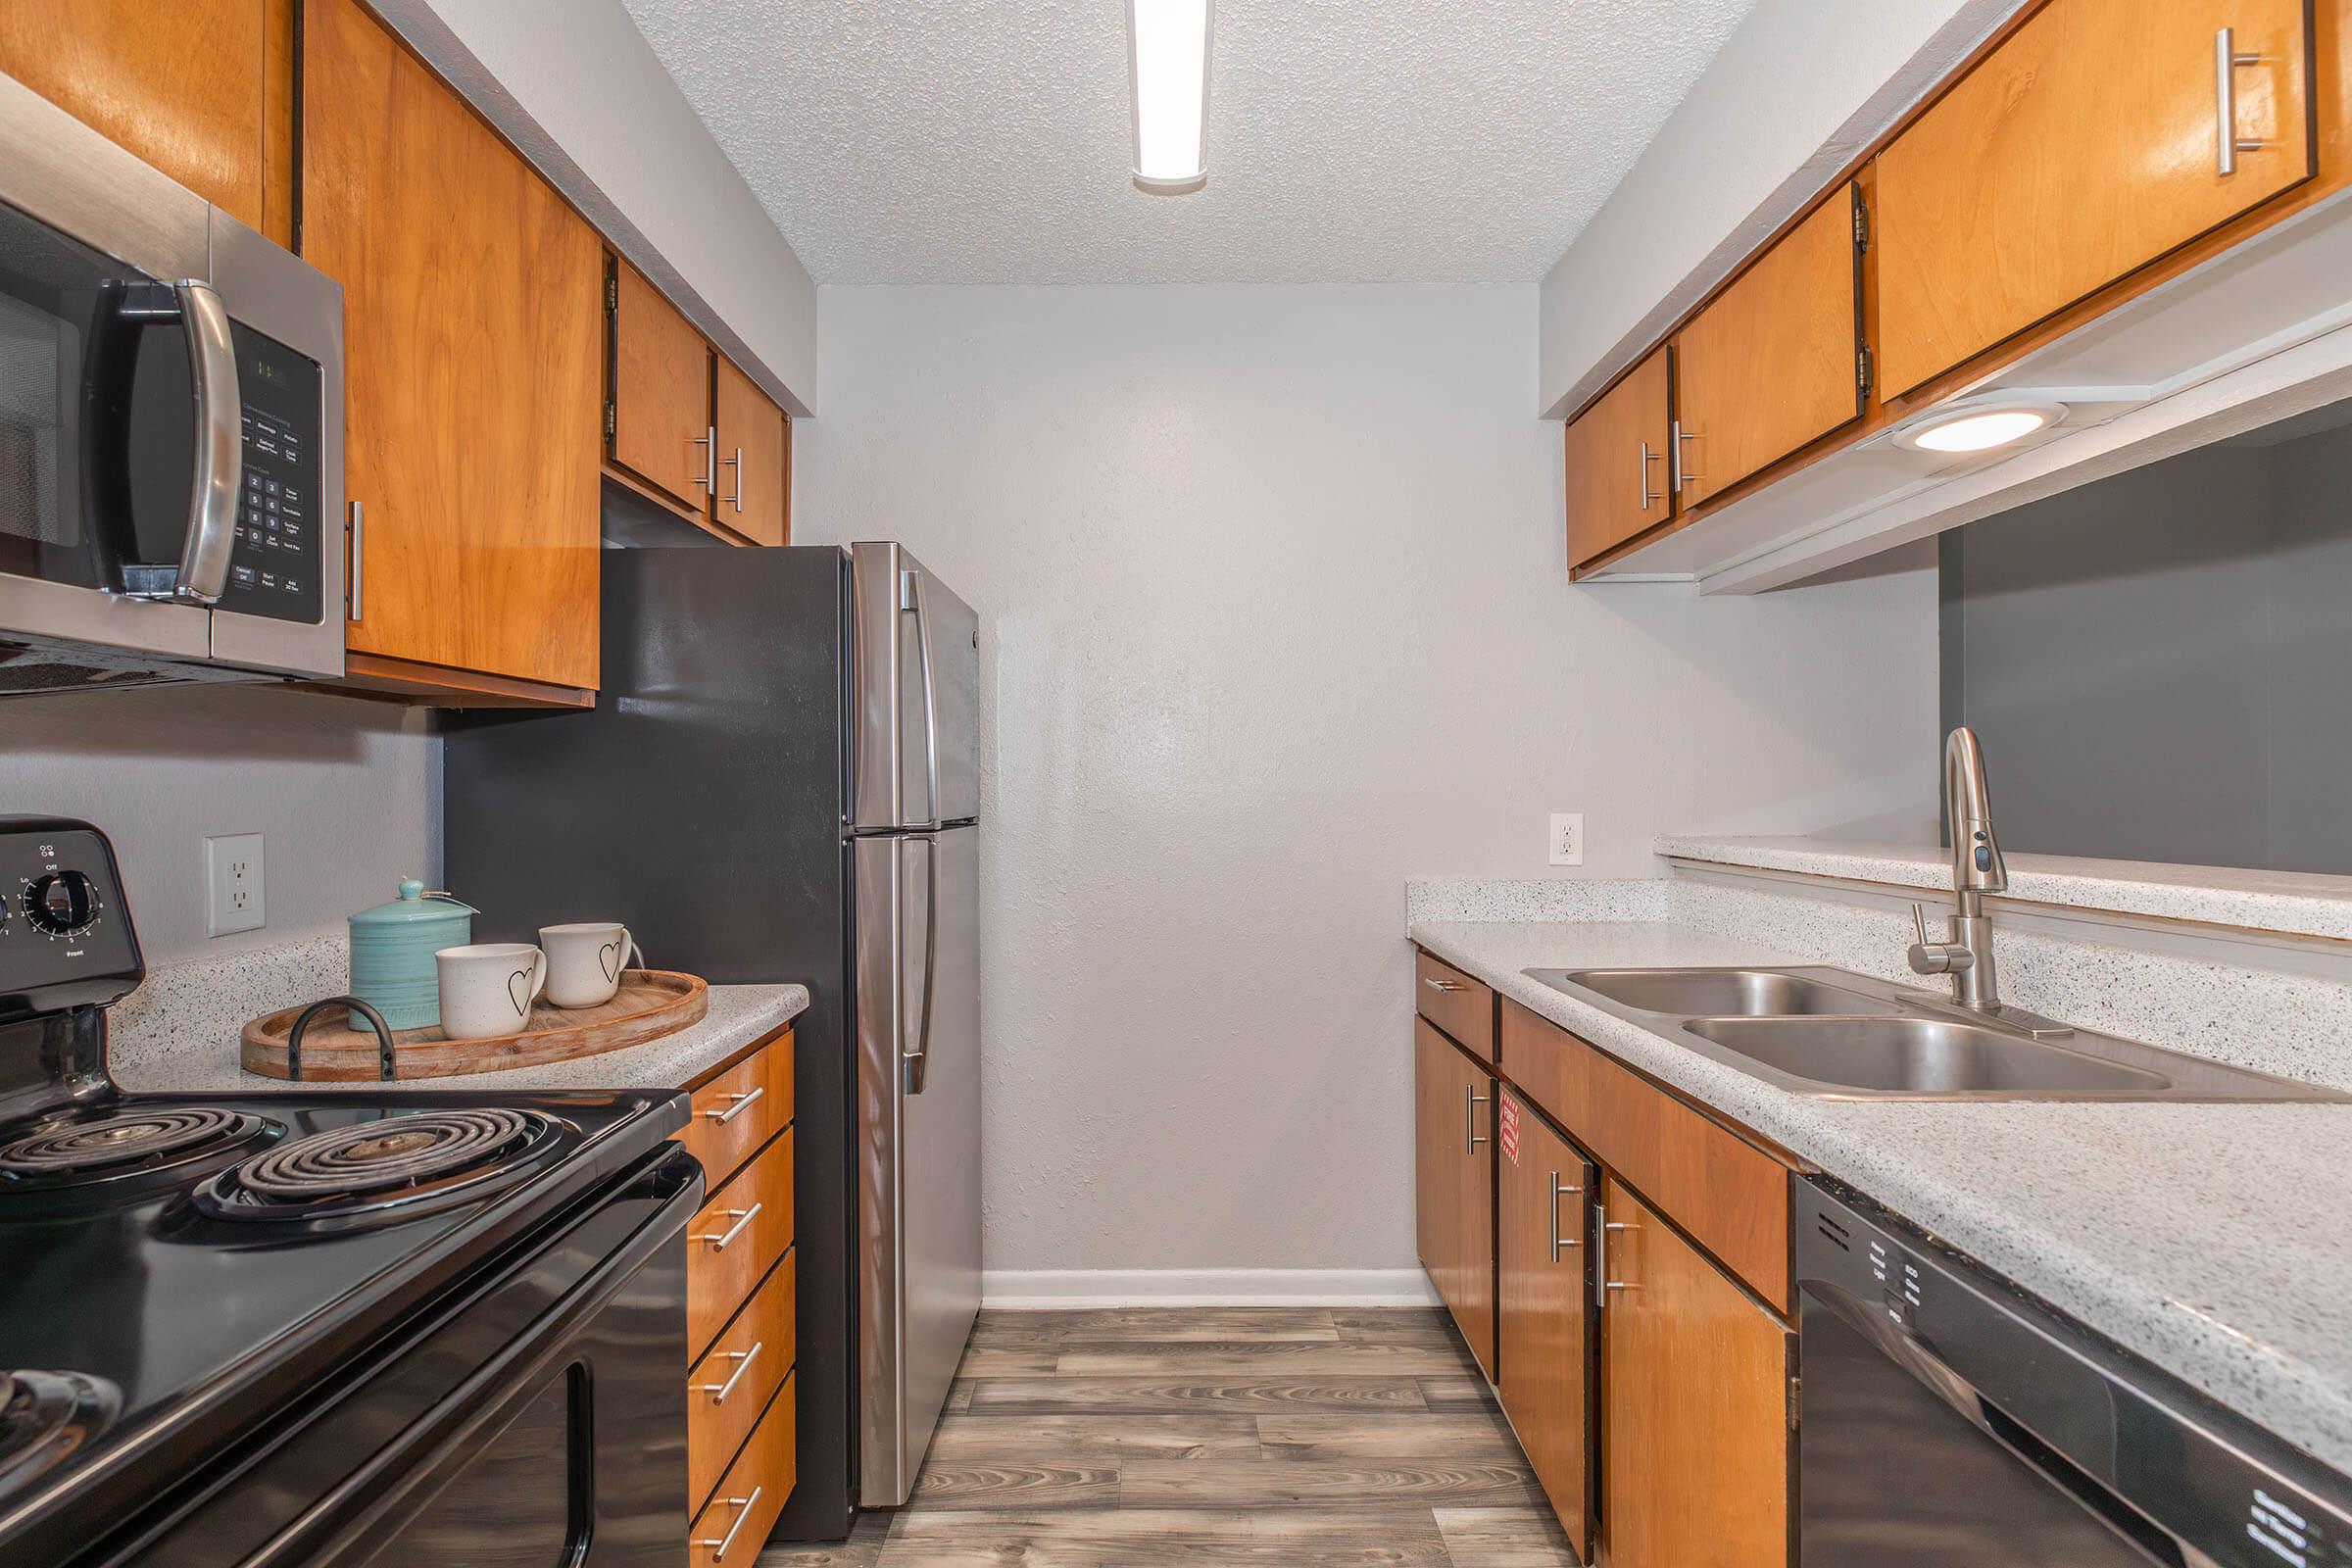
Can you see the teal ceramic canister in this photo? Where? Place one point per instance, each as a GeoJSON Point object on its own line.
{"type": "Point", "coordinates": [392, 947]}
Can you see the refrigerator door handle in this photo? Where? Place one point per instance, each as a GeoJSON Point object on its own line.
{"type": "Point", "coordinates": [914, 600]}
{"type": "Point", "coordinates": [918, 1060]}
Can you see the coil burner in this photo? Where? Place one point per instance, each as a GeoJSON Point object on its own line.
{"type": "Point", "coordinates": [397, 1166]}
{"type": "Point", "coordinates": [73, 1151]}
{"type": "Point", "coordinates": [44, 1416]}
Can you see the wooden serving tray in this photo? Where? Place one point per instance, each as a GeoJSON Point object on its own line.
{"type": "Point", "coordinates": [651, 1003]}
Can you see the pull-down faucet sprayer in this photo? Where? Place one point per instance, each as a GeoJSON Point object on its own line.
{"type": "Point", "coordinates": [1966, 952]}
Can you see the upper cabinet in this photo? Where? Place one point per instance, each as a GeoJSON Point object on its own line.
{"type": "Point", "coordinates": [190, 87]}
{"type": "Point", "coordinates": [473, 343]}
{"type": "Point", "coordinates": [2100, 135]}
{"type": "Point", "coordinates": [1619, 484]}
{"type": "Point", "coordinates": [1774, 360]}
{"type": "Point", "coordinates": [754, 448]}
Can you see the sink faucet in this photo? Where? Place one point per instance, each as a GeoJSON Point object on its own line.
{"type": "Point", "coordinates": [1966, 952]}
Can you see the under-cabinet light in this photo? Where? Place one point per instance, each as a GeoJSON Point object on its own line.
{"type": "Point", "coordinates": [1980, 428]}
{"type": "Point", "coordinates": [1168, 59]}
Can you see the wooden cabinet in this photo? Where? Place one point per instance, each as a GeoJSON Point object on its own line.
{"type": "Point", "coordinates": [658, 424]}
{"type": "Point", "coordinates": [1461, 1007]}
{"type": "Point", "coordinates": [473, 344]}
{"type": "Point", "coordinates": [1544, 1316]}
{"type": "Point", "coordinates": [730, 1386]}
{"type": "Point", "coordinates": [752, 459]}
{"type": "Point", "coordinates": [731, 1527]}
{"type": "Point", "coordinates": [1618, 483]}
{"type": "Point", "coordinates": [1453, 1102]}
{"type": "Point", "coordinates": [2088, 144]}
{"type": "Point", "coordinates": [1694, 1404]}
{"type": "Point", "coordinates": [1774, 360]}
{"type": "Point", "coordinates": [190, 87]}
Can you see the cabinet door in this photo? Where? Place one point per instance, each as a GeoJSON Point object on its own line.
{"type": "Point", "coordinates": [183, 85]}
{"type": "Point", "coordinates": [1453, 1184]}
{"type": "Point", "coordinates": [753, 465]}
{"type": "Point", "coordinates": [660, 391]}
{"type": "Point", "coordinates": [1773, 361]}
{"type": "Point", "coordinates": [2088, 144]}
{"type": "Point", "coordinates": [473, 365]}
{"type": "Point", "coordinates": [1617, 479]}
{"type": "Point", "coordinates": [1544, 1312]}
{"type": "Point", "coordinates": [1694, 1404]}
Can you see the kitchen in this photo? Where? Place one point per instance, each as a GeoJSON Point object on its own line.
{"type": "Point", "coordinates": [1555, 614]}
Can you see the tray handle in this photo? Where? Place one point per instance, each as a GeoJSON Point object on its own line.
{"type": "Point", "coordinates": [375, 1020]}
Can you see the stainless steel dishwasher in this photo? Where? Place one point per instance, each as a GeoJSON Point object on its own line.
{"type": "Point", "coordinates": [1946, 1418]}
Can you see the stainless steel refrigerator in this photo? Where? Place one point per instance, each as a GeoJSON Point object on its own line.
{"type": "Point", "coordinates": [780, 781]}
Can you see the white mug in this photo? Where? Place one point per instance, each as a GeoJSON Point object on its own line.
{"type": "Point", "coordinates": [487, 989]}
{"type": "Point", "coordinates": [584, 961]}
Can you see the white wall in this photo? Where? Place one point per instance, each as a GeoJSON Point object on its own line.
{"type": "Point", "coordinates": [1799, 89]}
{"type": "Point", "coordinates": [345, 793]}
{"type": "Point", "coordinates": [1274, 616]}
{"type": "Point", "coordinates": [575, 85]}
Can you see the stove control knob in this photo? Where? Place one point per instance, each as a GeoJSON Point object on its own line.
{"type": "Point", "coordinates": [63, 903]}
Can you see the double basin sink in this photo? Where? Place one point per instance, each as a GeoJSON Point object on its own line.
{"type": "Point", "coordinates": [1830, 1034]}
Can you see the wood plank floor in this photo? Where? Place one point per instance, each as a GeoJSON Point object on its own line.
{"type": "Point", "coordinates": [1202, 1437]}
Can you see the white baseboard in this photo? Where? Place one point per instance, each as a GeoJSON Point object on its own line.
{"type": "Point", "coordinates": [1042, 1290]}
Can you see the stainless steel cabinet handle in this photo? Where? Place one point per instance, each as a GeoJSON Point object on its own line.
{"type": "Point", "coordinates": [2227, 63]}
{"type": "Point", "coordinates": [1606, 1226]}
{"type": "Point", "coordinates": [1435, 984]}
{"type": "Point", "coordinates": [743, 1103]}
{"type": "Point", "coordinates": [1558, 1240]}
{"type": "Point", "coordinates": [1679, 471]}
{"type": "Point", "coordinates": [1600, 1254]}
{"type": "Point", "coordinates": [358, 556]}
{"type": "Point", "coordinates": [743, 1359]}
{"type": "Point", "coordinates": [1470, 1107]}
{"type": "Point", "coordinates": [1648, 458]}
{"type": "Point", "coordinates": [742, 1217]}
{"type": "Point", "coordinates": [735, 463]}
{"type": "Point", "coordinates": [718, 1547]}
{"type": "Point", "coordinates": [708, 442]}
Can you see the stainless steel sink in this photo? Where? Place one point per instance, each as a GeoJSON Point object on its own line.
{"type": "Point", "coordinates": [1725, 993]}
{"type": "Point", "coordinates": [1831, 1033]}
{"type": "Point", "coordinates": [1925, 1056]}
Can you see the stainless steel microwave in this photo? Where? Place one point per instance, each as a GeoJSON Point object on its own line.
{"type": "Point", "coordinates": [171, 428]}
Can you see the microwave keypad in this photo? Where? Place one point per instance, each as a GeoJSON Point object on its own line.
{"type": "Point", "coordinates": [274, 566]}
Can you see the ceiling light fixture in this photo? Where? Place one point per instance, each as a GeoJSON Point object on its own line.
{"type": "Point", "coordinates": [1980, 426]}
{"type": "Point", "coordinates": [1168, 56]}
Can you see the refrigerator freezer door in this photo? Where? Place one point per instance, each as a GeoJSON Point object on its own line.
{"type": "Point", "coordinates": [915, 758]}
{"type": "Point", "coordinates": [919, 1021]}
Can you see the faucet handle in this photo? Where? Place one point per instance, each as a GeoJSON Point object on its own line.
{"type": "Point", "coordinates": [1919, 920]}
{"type": "Point", "coordinates": [1935, 957]}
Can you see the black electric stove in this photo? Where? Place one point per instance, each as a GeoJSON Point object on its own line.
{"type": "Point", "coordinates": [377, 1326]}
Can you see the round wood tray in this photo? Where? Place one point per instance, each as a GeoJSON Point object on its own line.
{"type": "Point", "coordinates": [651, 1003]}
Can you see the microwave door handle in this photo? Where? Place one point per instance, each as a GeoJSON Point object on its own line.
{"type": "Point", "coordinates": [219, 445]}
{"type": "Point", "coordinates": [922, 646]}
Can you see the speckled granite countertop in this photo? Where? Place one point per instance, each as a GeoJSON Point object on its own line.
{"type": "Point", "coordinates": [2215, 1240]}
{"type": "Point", "coordinates": [199, 1060]}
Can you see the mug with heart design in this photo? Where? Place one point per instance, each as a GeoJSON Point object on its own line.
{"type": "Point", "coordinates": [584, 961]}
{"type": "Point", "coordinates": [487, 989]}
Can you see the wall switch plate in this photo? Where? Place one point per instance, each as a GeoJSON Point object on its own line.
{"type": "Point", "coordinates": [232, 884]}
{"type": "Point", "coordinates": [1567, 838]}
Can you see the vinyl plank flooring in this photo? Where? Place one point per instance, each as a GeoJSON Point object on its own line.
{"type": "Point", "coordinates": [1027, 1487]}
{"type": "Point", "coordinates": [1503, 1537]}
{"type": "Point", "coordinates": [1148, 1538]}
{"type": "Point", "coordinates": [1167, 1325]}
{"type": "Point", "coordinates": [1346, 1486]}
{"type": "Point", "coordinates": [1092, 1435]}
{"type": "Point", "coordinates": [1468, 1438]}
{"type": "Point", "coordinates": [1144, 1396]}
{"type": "Point", "coordinates": [1460, 1390]}
{"type": "Point", "coordinates": [1244, 1358]}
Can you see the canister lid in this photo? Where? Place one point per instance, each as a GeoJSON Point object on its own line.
{"type": "Point", "coordinates": [415, 906]}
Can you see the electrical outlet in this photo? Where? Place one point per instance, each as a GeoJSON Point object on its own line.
{"type": "Point", "coordinates": [232, 884]}
{"type": "Point", "coordinates": [1567, 838]}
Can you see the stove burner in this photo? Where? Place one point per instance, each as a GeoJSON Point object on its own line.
{"type": "Point", "coordinates": [111, 1143]}
{"type": "Point", "coordinates": [45, 1416]}
{"type": "Point", "coordinates": [398, 1163]}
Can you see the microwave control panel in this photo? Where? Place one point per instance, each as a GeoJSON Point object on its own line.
{"type": "Point", "coordinates": [274, 566]}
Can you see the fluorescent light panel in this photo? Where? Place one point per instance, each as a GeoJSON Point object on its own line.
{"type": "Point", "coordinates": [1169, 61]}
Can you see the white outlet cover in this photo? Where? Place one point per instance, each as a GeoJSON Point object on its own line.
{"type": "Point", "coordinates": [1567, 838]}
{"type": "Point", "coordinates": [232, 884]}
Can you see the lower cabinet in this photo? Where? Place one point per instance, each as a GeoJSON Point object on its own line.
{"type": "Point", "coordinates": [742, 1306]}
{"type": "Point", "coordinates": [1694, 1402]}
{"type": "Point", "coordinates": [1544, 1319]}
{"type": "Point", "coordinates": [1453, 1179]}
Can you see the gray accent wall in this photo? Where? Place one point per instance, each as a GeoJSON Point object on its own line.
{"type": "Point", "coordinates": [2160, 663]}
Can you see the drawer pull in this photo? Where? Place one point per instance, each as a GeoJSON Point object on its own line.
{"type": "Point", "coordinates": [718, 1392]}
{"type": "Point", "coordinates": [1606, 1226]}
{"type": "Point", "coordinates": [744, 1505]}
{"type": "Point", "coordinates": [1558, 1240]}
{"type": "Point", "coordinates": [743, 1217]}
{"type": "Point", "coordinates": [1435, 984]}
{"type": "Point", "coordinates": [742, 1103]}
{"type": "Point", "coordinates": [1470, 1136]}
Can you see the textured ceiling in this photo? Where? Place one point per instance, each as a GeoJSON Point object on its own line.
{"type": "Point", "coordinates": [987, 142]}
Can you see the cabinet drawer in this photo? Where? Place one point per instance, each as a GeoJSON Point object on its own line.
{"type": "Point", "coordinates": [738, 1112]}
{"type": "Point", "coordinates": [734, 1524]}
{"type": "Point", "coordinates": [753, 1354]}
{"type": "Point", "coordinates": [1455, 1003]}
{"type": "Point", "coordinates": [735, 1239]}
{"type": "Point", "coordinates": [1729, 1195]}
